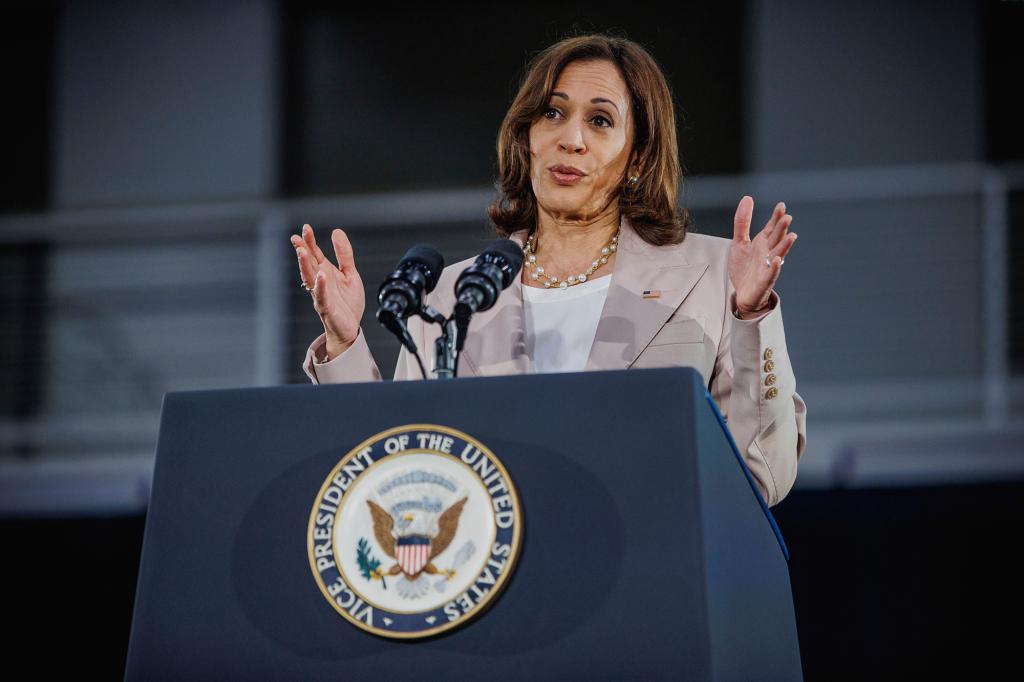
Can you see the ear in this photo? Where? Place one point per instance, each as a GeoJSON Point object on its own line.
{"type": "Point", "coordinates": [636, 164]}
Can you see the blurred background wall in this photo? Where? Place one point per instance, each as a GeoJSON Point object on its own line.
{"type": "Point", "coordinates": [159, 154]}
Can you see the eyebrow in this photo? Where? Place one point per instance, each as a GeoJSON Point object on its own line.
{"type": "Point", "coordinates": [596, 100]}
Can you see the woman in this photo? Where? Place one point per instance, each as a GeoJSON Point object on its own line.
{"type": "Point", "coordinates": [589, 173]}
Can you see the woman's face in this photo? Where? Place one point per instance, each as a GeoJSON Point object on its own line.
{"type": "Point", "coordinates": [588, 127]}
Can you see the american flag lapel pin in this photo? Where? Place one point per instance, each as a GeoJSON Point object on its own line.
{"type": "Point", "coordinates": [651, 293]}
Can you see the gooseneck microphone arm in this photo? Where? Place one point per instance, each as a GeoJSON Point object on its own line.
{"type": "Point", "coordinates": [478, 287]}
{"type": "Point", "coordinates": [401, 293]}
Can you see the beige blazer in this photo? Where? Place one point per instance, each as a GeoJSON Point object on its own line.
{"type": "Point", "coordinates": [687, 319]}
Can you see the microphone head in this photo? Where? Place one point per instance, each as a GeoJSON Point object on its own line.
{"type": "Point", "coordinates": [428, 257]}
{"type": "Point", "coordinates": [512, 255]}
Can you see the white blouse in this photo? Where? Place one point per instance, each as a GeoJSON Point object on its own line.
{"type": "Point", "coordinates": [561, 323]}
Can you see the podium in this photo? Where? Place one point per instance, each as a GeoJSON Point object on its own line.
{"type": "Point", "coordinates": [646, 553]}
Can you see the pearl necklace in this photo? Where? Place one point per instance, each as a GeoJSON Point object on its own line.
{"type": "Point", "coordinates": [572, 280]}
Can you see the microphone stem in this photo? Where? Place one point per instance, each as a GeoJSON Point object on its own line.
{"type": "Point", "coordinates": [445, 357]}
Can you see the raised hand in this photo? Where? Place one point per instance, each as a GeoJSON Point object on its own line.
{"type": "Point", "coordinates": [754, 265]}
{"type": "Point", "coordinates": [338, 295]}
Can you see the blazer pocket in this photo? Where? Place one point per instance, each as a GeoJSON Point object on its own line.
{"type": "Point", "coordinates": [686, 330]}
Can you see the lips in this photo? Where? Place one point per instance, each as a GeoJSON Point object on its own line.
{"type": "Point", "coordinates": [566, 175]}
{"type": "Point", "coordinates": [566, 170]}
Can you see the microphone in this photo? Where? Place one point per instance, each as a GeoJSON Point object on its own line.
{"type": "Point", "coordinates": [401, 293]}
{"type": "Point", "coordinates": [479, 285]}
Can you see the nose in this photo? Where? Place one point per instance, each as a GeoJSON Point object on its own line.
{"type": "Point", "coordinates": [571, 140]}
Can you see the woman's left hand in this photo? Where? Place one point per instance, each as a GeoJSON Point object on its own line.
{"type": "Point", "coordinates": [754, 265]}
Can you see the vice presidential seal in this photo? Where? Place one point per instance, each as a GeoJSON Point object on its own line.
{"type": "Point", "coordinates": [415, 531]}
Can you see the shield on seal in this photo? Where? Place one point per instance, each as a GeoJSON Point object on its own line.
{"type": "Point", "coordinates": [412, 552]}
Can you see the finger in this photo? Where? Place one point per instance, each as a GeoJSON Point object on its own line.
{"type": "Point", "coordinates": [343, 250]}
{"type": "Point", "coordinates": [772, 267]}
{"type": "Point", "coordinates": [299, 244]}
{"type": "Point", "coordinates": [780, 210]}
{"type": "Point", "coordinates": [781, 229]}
{"type": "Point", "coordinates": [310, 239]}
{"type": "Point", "coordinates": [319, 291]}
{"type": "Point", "coordinates": [783, 248]}
{"type": "Point", "coordinates": [307, 269]}
{"type": "Point", "coordinates": [741, 221]}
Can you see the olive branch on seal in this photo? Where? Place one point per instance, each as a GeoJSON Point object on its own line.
{"type": "Point", "coordinates": [369, 567]}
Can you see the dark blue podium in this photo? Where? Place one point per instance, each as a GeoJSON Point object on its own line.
{"type": "Point", "coordinates": [646, 551]}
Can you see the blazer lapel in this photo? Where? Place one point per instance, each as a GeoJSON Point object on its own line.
{"type": "Point", "coordinates": [497, 343]}
{"type": "Point", "coordinates": [629, 320]}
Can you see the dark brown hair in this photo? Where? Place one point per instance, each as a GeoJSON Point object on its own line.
{"type": "Point", "coordinates": [650, 206]}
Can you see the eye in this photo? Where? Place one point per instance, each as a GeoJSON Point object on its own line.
{"type": "Point", "coordinates": [600, 120]}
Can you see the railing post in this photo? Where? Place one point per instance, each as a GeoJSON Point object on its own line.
{"type": "Point", "coordinates": [271, 298]}
{"type": "Point", "coordinates": [995, 287]}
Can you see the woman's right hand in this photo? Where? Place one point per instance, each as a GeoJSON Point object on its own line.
{"type": "Point", "coordinates": [338, 295]}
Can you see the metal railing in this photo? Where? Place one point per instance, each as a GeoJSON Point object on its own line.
{"type": "Point", "coordinates": [850, 420]}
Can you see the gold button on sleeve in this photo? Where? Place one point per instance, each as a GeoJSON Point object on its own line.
{"type": "Point", "coordinates": [769, 380]}
{"type": "Point", "coordinates": [771, 393]}
{"type": "Point", "coordinates": [769, 365]}
{"type": "Point", "coordinates": [768, 353]}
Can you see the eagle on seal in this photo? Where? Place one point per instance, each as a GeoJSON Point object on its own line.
{"type": "Point", "coordinates": [415, 552]}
